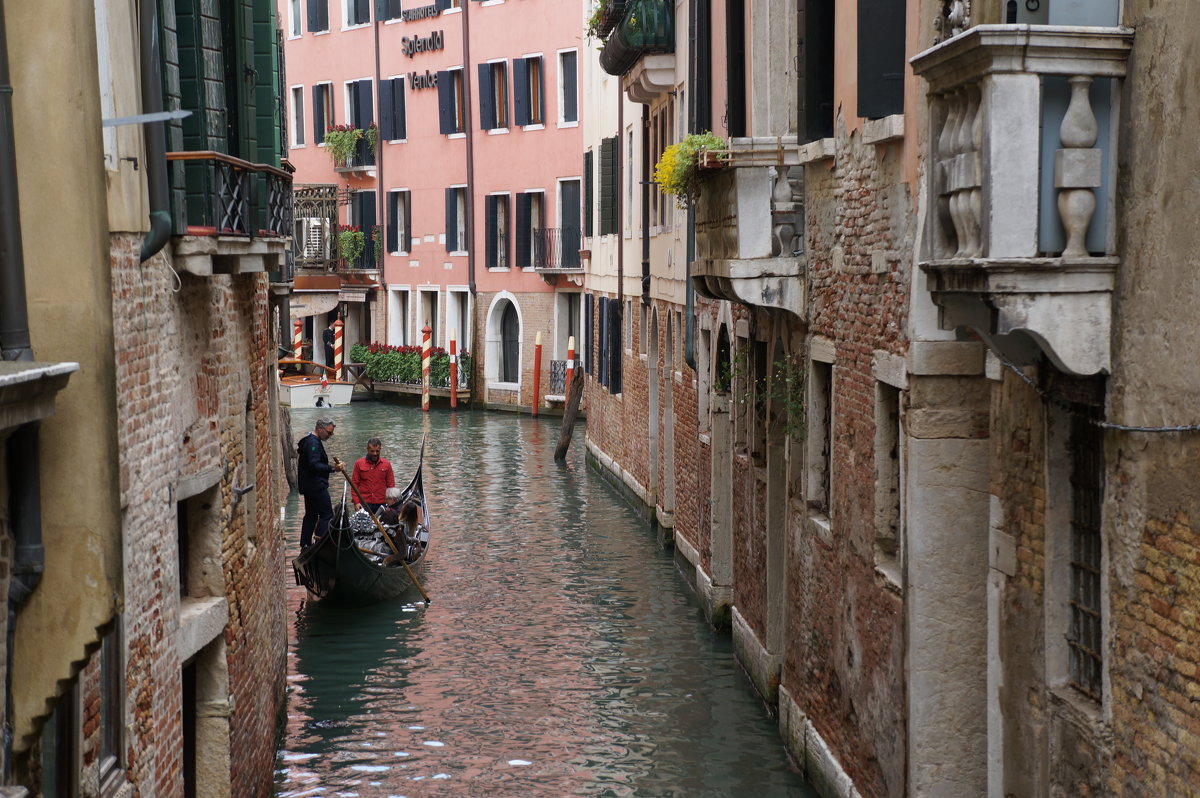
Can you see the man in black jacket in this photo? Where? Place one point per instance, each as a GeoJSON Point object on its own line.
{"type": "Point", "coordinates": [313, 472]}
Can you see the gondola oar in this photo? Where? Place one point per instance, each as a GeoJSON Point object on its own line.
{"type": "Point", "coordinates": [388, 538]}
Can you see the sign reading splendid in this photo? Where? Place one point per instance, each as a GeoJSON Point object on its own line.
{"type": "Point", "coordinates": [424, 12]}
{"type": "Point", "coordinates": [423, 44]}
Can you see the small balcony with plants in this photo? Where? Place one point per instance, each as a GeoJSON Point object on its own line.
{"type": "Point", "coordinates": [554, 251]}
{"type": "Point", "coordinates": [353, 149]}
{"type": "Point", "coordinates": [1021, 242]}
{"type": "Point", "coordinates": [640, 48]}
{"type": "Point", "coordinates": [748, 198]}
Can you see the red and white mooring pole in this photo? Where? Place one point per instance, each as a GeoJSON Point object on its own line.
{"type": "Point", "coordinates": [426, 331]}
{"type": "Point", "coordinates": [337, 349]}
{"type": "Point", "coordinates": [570, 364]}
{"type": "Point", "coordinates": [298, 338]}
{"type": "Point", "coordinates": [537, 374]}
{"type": "Point", "coordinates": [453, 371]}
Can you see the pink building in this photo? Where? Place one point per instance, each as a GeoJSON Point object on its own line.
{"type": "Point", "coordinates": [473, 188]}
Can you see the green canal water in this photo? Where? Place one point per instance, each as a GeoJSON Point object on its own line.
{"type": "Point", "coordinates": [562, 654]}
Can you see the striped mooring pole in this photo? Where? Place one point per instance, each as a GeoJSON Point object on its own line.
{"type": "Point", "coordinates": [453, 371]}
{"type": "Point", "coordinates": [426, 331]}
{"type": "Point", "coordinates": [298, 338]}
{"type": "Point", "coordinates": [570, 364]}
{"type": "Point", "coordinates": [537, 374]}
{"type": "Point", "coordinates": [337, 349]}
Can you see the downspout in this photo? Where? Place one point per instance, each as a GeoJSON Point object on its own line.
{"type": "Point", "coordinates": [21, 450]}
{"type": "Point", "coordinates": [469, 130]}
{"type": "Point", "coordinates": [155, 134]}
{"type": "Point", "coordinates": [646, 205]}
{"type": "Point", "coordinates": [381, 220]}
{"type": "Point", "coordinates": [618, 209]}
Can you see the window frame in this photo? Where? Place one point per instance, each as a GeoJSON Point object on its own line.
{"type": "Point", "coordinates": [563, 85]}
{"type": "Point", "coordinates": [296, 133]}
{"type": "Point", "coordinates": [399, 213]}
{"type": "Point", "coordinates": [328, 113]}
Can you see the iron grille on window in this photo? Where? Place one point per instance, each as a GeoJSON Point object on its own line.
{"type": "Point", "coordinates": [1085, 641]}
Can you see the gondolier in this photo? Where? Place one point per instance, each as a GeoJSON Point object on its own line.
{"type": "Point", "coordinates": [372, 476]}
{"type": "Point", "coordinates": [312, 473]}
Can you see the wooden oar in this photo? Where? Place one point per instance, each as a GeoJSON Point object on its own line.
{"type": "Point", "coordinates": [387, 538]}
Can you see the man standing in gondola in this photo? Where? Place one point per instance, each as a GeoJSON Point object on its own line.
{"type": "Point", "coordinates": [312, 473]}
{"type": "Point", "coordinates": [373, 476]}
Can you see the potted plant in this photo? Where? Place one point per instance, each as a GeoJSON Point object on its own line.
{"type": "Point", "coordinates": [377, 241]}
{"type": "Point", "coordinates": [679, 170]}
{"type": "Point", "coordinates": [372, 134]}
{"type": "Point", "coordinates": [341, 143]}
{"type": "Point", "coordinates": [351, 242]}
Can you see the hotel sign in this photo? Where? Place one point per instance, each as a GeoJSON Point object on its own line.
{"type": "Point", "coordinates": [424, 12]}
{"type": "Point", "coordinates": [423, 44]}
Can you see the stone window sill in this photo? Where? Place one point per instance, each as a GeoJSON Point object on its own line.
{"type": "Point", "coordinates": [819, 150]}
{"type": "Point", "coordinates": [881, 131]}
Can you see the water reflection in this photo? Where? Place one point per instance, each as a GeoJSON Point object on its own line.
{"type": "Point", "coordinates": [560, 656]}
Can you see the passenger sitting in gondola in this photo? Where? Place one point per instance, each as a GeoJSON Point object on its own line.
{"type": "Point", "coordinates": [404, 517]}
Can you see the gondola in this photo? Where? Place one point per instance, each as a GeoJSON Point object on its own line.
{"type": "Point", "coordinates": [352, 565]}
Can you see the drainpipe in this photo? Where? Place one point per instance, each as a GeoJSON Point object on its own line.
{"type": "Point", "coordinates": [469, 129]}
{"type": "Point", "coordinates": [155, 135]}
{"type": "Point", "coordinates": [689, 324]}
{"type": "Point", "coordinates": [646, 205]}
{"type": "Point", "coordinates": [21, 450]}
{"type": "Point", "coordinates": [618, 206]}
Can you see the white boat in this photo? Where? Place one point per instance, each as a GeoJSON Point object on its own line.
{"type": "Point", "coordinates": [303, 383]}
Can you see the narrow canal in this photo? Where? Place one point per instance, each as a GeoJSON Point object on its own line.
{"type": "Point", "coordinates": [562, 655]}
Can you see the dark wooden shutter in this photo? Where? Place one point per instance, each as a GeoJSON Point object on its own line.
{"type": "Point", "coordinates": [442, 5]}
{"type": "Point", "coordinates": [362, 11]}
{"type": "Point", "coordinates": [370, 217]}
{"type": "Point", "coordinates": [524, 228]}
{"type": "Point", "coordinates": [314, 19]}
{"type": "Point", "coordinates": [487, 98]}
{"type": "Point", "coordinates": [393, 221]}
{"type": "Point", "coordinates": [880, 58]}
{"type": "Point", "coordinates": [520, 91]}
{"type": "Point", "coordinates": [446, 120]}
{"type": "Point", "coordinates": [735, 66]}
{"type": "Point", "coordinates": [366, 103]}
{"type": "Point", "coordinates": [398, 109]}
{"type": "Point", "coordinates": [451, 219]}
{"type": "Point", "coordinates": [406, 234]}
{"type": "Point", "coordinates": [570, 87]}
{"type": "Point", "coordinates": [387, 114]}
{"type": "Point", "coordinates": [588, 187]}
{"type": "Point", "coordinates": [319, 121]}
{"type": "Point", "coordinates": [602, 341]}
{"type": "Point", "coordinates": [614, 348]}
{"type": "Point", "coordinates": [490, 249]}
{"type": "Point", "coordinates": [816, 54]}
{"type": "Point", "coordinates": [393, 9]}
{"type": "Point", "coordinates": [608, 186]}
{"type": "Point", "coordinates": [588, 317]}
{"type": "Point", "coordinates": [540, 65]}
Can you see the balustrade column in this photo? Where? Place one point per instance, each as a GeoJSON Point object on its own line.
{"type": "Point", "coordinates": [1077, 168]}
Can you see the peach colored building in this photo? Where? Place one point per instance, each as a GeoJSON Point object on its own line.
{"type": "Point", "coordinates": [473, 188]}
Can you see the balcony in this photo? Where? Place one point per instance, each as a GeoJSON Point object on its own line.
{"type": "Point", "coordinates": [611, 13]}
{"type": "Point", "coordinates": [1021, 243]}
{"type": "Point", "coordinates": [555, 251]}
{"type": "Point", "coordinates": [641, 49]}
{"type": "Point", "coordinates": [361, 164]}
{"type": "Point", "coordinates": [231, 216]}
{"type": "Point", "coordinates": [750, 225]}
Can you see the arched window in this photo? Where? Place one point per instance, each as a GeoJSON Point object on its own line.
{"type": "Point", "coordinates": [510, 344]}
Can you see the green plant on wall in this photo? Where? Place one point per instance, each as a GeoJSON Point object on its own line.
{"type": "Point", "coordinates": [372, 135]}
{"type": "Point", "coordinates": [377, 242]}
{"type": "Point", "coordinates": [593, 22]}
{"type": "Point", "coordinates": [678, 171]}
{"type": "Point", "coordinates": [341, 143]}
{"type": "Point", "coordinates": [786, 394]}
{"type": "Point", "coordinates": [351, 242]}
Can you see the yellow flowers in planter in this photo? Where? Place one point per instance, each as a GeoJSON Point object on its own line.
{"type": "Point", "coordinates": [678, 170]}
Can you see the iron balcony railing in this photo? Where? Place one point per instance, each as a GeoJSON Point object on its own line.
{"type": "Point", "coordinates": [223, 195]}
{"type": "Point", "coordinates": [648, 28]}
{"type": "Point", "coordinates": [558, 377]}
{"type": "Point", "coordinates": [314, 239]}
{"type": "Point", "coordinates": [611, 12]}
{"type": "Point", "coordinates": [556, 249]}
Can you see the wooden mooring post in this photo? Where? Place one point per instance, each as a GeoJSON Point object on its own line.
{"type": "Point", "coordinates": [570, 411]}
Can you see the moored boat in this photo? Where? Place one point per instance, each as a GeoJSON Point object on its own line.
{"type": "Point", "coordinates": [303, 383]}
{"type": "Point", "coordinates": [352, 563]}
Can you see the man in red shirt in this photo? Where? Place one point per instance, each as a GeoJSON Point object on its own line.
{"type": "Point", "coordinates": [373, 476]}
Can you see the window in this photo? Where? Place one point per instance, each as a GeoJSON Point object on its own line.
{"type": "Point", "coordinates": [318, 16]}
{"type": "Point", "coordinates": [456, 219]}
{"type": "Point", "coordinates": [60, 752]}
{"type": "Point", "coordinates": [629, 325]}
{"type": "Point", "coordinates": [510, 344]}
{"type": "Point", "coordinates": [450, 101]}
{"type": "Point", "coordinates": [393, 119]}
{"type": "Point", "coordinates": [881, 58]}
{"type": "Point", "coordinates": [446, 5]}
{"type": "Point", "coordinates": [322, 111]}
{"type": "Point", "coordinates": [389, 9]}
{"type": "Point", "coordinates": [816, 102]}
{"type": "Point", "coordinates": [496, 222]}
{"type": "Point", "coordinates": [531, 250]}
{"type": "Point", "coordinates": [458, 317]}
{"type": "Point", "coordinates": [588, 189]}
{"type": "Point", "coordinates": [429, 315]}
{"type": "Point", "coordinates": [644, 313]}
{"type": "Point", "coordinates": [112, 720]}
{"type": "Point", "coordinates": [737, 72]}
{"type": "Point", "coordinates": [363, 216]}
{"type": "Point", "coordinates": [568, 324]}
{"type": "Point", "coordinates": [608, 185]}
{"type": "Point", "coordinates": [528, 92]}
{"type": "Point", "coordinates": [397, 323]}
{"type": "Point", "coordinates": [297, 116]}
{"type": "Point", "coordinates": [820, 436]}
{"type": "Point", "coordinates": [568, 82]}
{"type": "Point", "coordinates": [399, 221]}
{"type": "Point", "coordinates": [358, 12]}
{"type": "Point", "coordinates": [629, 179]}
{"type": "Point", "coordinates": [493, 95]}
{"type": "Point", "coordinates": [588, 338]}
{"type": "Point", "coordinates": [295, 16]}
{"type": "Point", "coordinates": [568, 223]}
{"type": "Point", "coordinates": [889, 539]}
{"type": "Point", "coordinates": [1085, 638]}
{"type": "Point", "coordinates": [360, 107]}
